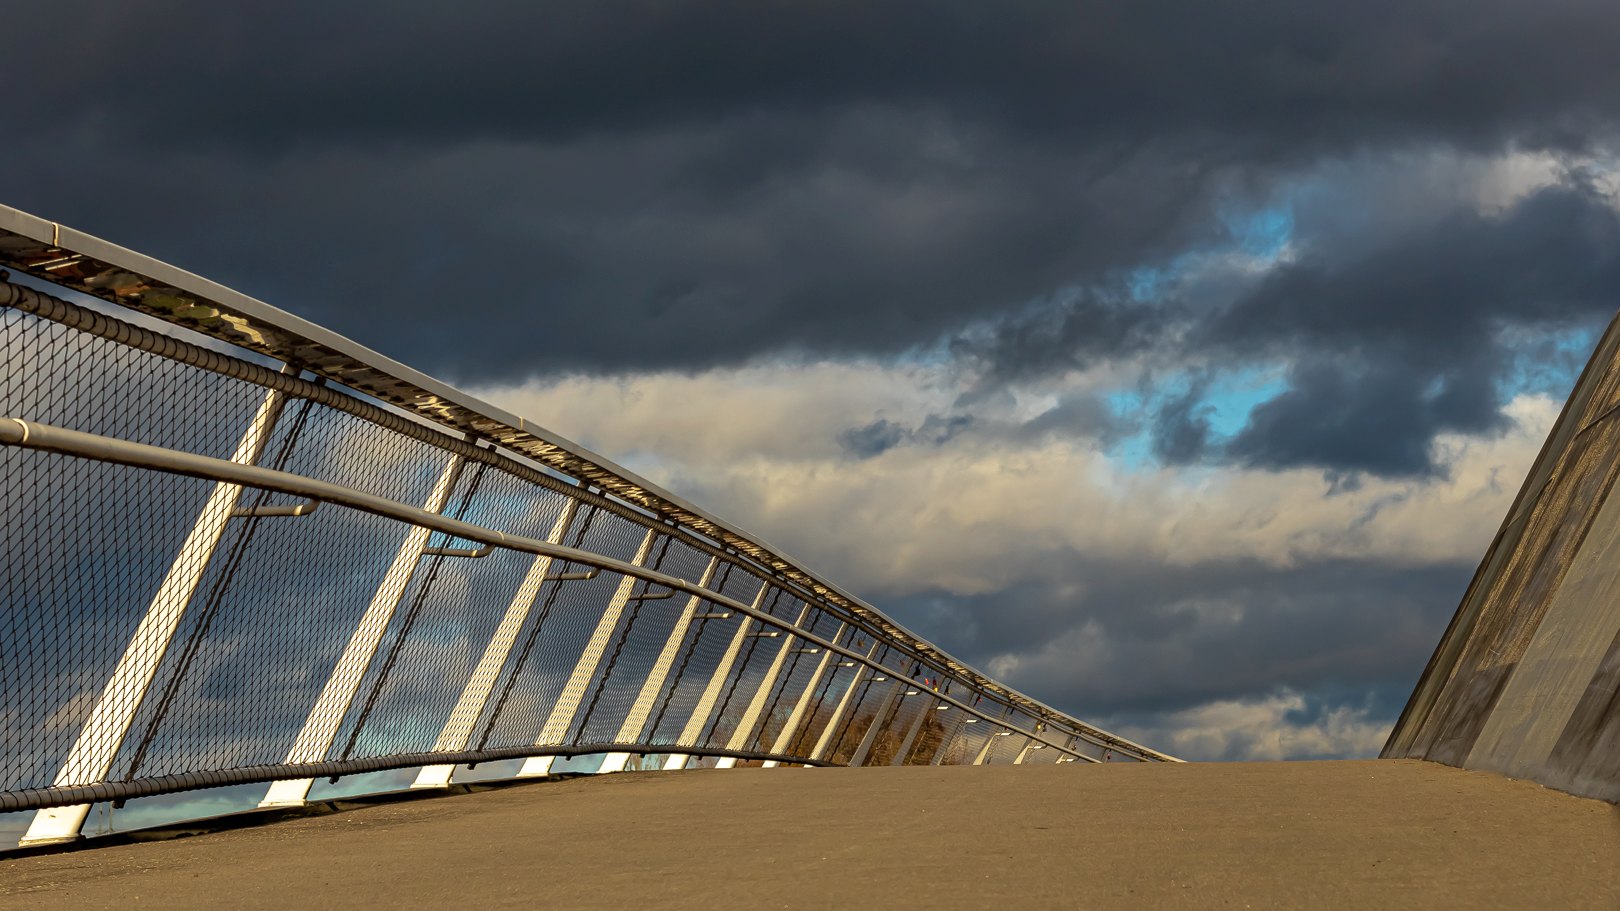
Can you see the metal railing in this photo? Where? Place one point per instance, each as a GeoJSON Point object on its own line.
{"type": "Point", "coordinates": [239, 548]}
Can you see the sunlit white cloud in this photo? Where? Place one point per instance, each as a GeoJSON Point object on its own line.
{"type": "Point", "coordinates": [1276, 726]}
{"type": "Point", "coordinates": [986, 506]}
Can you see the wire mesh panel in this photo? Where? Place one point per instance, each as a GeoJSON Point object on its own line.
{"type": "Point", "coordinates": [643, 631]}
{"type": "Point", "coordinates": [275, 608]}
{"type": "Point", "coordinates": [448, 615]}
{"type": "Point", "coordinates": [216, 573]}
{"type": "Point", "coordinates": [799, 669]}
{"type": "Point", "coordinates": [558, 633]}
{"type": "Point", "coordinates": [702, 660]}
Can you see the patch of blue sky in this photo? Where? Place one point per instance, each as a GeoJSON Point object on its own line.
{"type": "Point", "coordinates": [1132, 453]}
{"type": "Point", "coordinates": [1147, 283]}
{"type": "Point", "coordinates": [1232, 396]}
{"type": "Point", "coordinates": [1261, 233]}
{"type": "Point", "coordinates": [1227, 401]}
{"type": "Point", "coordinates": [1549, 365]}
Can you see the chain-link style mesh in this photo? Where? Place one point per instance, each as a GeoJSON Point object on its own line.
{"type": "Point", "coordinates": [164, 631]}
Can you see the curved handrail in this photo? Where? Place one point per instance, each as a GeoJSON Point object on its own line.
{"type": "Point", "coordinates": [96, 267]}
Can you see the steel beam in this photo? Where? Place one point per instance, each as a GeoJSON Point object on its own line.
{"type": "Point", "coordinates": [896, 687]}
{"type": "Point", "coordinates": [103, 733]}
{"type": "Point", "coordinates": [630, 730]}
{"type": "Point", "coordinates": [912, 732]}
{"type": "Point", "coordinates": [327, 716]}
{"type": "Point", "coordinates": [457, 732]}
{"type": "Point", "coordinates": [802, 706]}
{"type": "Point", "coordinates": [829, 733]}
{"type": "Point", "coordinates": [959, 722]}
{"type": "Point", "coordinates": [1029, 744]}
{"type": "Point", "coordinates": [699, 719]}
{"type": "Point", "coordinates": [751, 719]}
{"type": "Point", "coordinates": [573, 692]}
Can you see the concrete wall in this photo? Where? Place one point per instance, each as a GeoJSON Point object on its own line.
{"type": "Point", "coordinates": [1526, 681]}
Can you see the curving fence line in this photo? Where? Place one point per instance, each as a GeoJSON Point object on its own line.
{"type": "Point", "coordinates": [239, 548]}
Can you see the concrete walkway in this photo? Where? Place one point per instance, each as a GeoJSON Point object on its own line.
{"type": "Point", "coordinates": [1273, 835]}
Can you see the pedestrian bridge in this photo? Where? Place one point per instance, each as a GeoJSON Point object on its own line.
{"type": "Point", "coordinates": [246, 556]}
{"type": "Point", "coordinates": [1371, 834]}
{"type": "Point", "coordinates": [242, 549]}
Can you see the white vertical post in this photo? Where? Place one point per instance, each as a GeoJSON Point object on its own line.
{"type": "Point", "coordinates": [324, 719]}
{"type": "Point", "coordinates": [654, 684]}
{"type": "Point", "coordinates": [103, 734]}
{"type": "Point", "coordinates": [984, 751]}
{"type": "Point", "coordinates": [1029, 744]}
{"type": "Point", "coordinates": [699, 718]}
{"type": "Point", "coordinates": [861, 752]}
{"type": "Point", "coordinates": [791, 728]}
{"type": "Point", "coordinates": [458, 730]}
{"type": "Point", "coordinates": [947, 737]}
{"type": "Point", "coordinates": [756, 706]}
{"type": "Point", "coordinates": [573, 692]}
{"type": "Point", "coordinates": [911, 734]}
{"type": "Point", "coordinates": [825, 742]}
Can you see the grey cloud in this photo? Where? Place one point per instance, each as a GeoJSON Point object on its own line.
{"type": "Point", "coordinates": [873, 439]}
{"type": "Point", "coordinates": [1076, 414]}
{"type": "Point", "coordinates": [1410, 341]}
{"type": "Point", "coordinates": [514, 189]}
{"type": "Point", "coordinates": [1181, 428]}
{"type": "Point", "coordinates": [1372, 415]}
{"type": "Point", "coordinates": [1081, 328]}
{"type": "Point", "coordinates": [883, 434]}
{"type": "Point", "coordinates": [1168, 638]}
{"type": "Point", "coordinates": [1285, 76]}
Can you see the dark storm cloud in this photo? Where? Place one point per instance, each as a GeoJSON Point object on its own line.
{"type": "Point", "coordinates": [1401, 338]}
{"type": "Point", "coordinates": [1074, 331]}
{"type": "Point", "coordinates": [873, 439]}
{"type": "Point", "coordinates": [506, 189]}
{"type": "Point", "coordinates": [882, 435]}
{"type": "Point", "coordinates": [1181, 427]}
{"type": "Point", "coordinates": [1410, 340]}
{"type": "Point", "coordinates": [1376, 415]}
{"type": "Point", "coordinates": [277, 76]}
{"type": "Point", "coordinates": [1076, 414]}
{"type": "Point", "coordinates": [1156, 638]}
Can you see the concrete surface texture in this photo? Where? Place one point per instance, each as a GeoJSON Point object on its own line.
{"type": "Point", "coordinates": [1526, 680]}
{"type": "Point", "coordinates": [1366, 834]}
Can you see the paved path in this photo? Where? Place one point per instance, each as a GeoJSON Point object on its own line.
{"type": "Point", "coordinates": [1263, 835]}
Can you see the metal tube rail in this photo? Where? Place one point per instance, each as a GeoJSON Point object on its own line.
{"type": "Point", "coordinates": [82, 319]}
{"type": "Point", "coordinates": [95, 267]}
{"type": "Point", "coordinates": [100, 325]}
{"type": "Point", "coordinates": [17, 432]}
{"type": "Point", "coordinates": [45, 798]}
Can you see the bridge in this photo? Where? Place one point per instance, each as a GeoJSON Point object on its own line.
{"type": "Point", "coordinates": [245, 553]}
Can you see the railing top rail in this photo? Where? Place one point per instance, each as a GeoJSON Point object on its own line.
{"type": "Point", "coordinates": [87, 264]}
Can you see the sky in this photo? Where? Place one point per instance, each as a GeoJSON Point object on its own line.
{"type": "Point", "coordinates": [1172, 361]}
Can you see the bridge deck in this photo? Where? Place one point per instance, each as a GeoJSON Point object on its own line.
{"type": "Point", "coordinates": [1333, 834]}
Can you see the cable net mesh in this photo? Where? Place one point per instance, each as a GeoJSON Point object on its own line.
{"type": "Point", "coordinates": [159, 625]}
